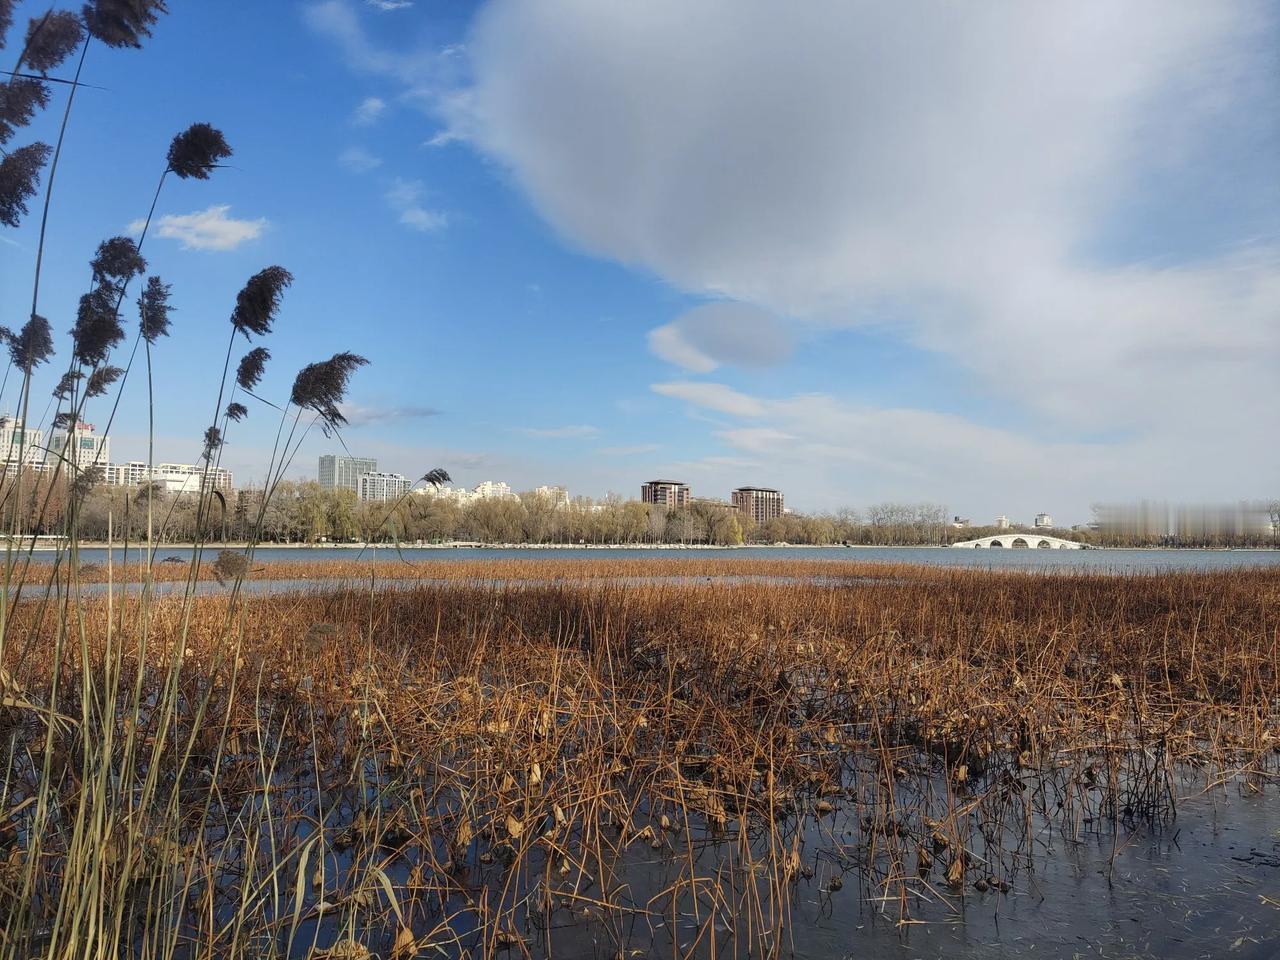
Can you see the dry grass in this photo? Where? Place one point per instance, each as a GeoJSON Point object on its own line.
{"type": "Point", "coordinates": [495, 766]}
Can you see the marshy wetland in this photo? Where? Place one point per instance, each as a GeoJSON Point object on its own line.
{"type": "Point", "coordinates": [626, 759]}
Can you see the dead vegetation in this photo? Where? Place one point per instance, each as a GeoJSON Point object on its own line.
{"type": "Point", "coordinates": [665, 764]}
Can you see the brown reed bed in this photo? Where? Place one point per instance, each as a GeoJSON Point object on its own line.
{"type": "Point", "coordinates": [542, 567]}
{"type": "Point", "coordinates": [667, 765]}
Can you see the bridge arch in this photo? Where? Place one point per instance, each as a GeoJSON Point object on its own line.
{"type": "Point", "coordinates": [1019, 540]}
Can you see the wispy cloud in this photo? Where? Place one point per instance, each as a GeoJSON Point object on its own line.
{"type": "Point", "coordinates": [369, 111]}
{"type": "Point", "coordinates": [713, 396]}
{"type": "Point", "coordinates": [386, 6]}
{"type": "Point", "coordinates": [209, 229]}
{"type": "Point", "coordinates": [359, 415]}
{"type": "Point", "coordinates": [359, 160]}
{"type": "Point", "coordinates": [406, 198]}
{"type": "Point", "coordinates": [442, 138]}
{"type": "Point", "coordinates": [575, 431]}
{"type": "Point", "coordinates": [703, 338]}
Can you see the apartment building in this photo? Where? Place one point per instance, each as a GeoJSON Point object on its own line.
{"type": "Point", "coordinates": [667, 493]}
{"type": "Point", "coordinates": [759, 504]}
{"type": "Point", "coordinates": [81, 447]}
{"type": "Point", "coordinates": [343, 473]}
{"type": "Point", "coordinates": [379, 487]}
{"type": "Point", "coordinates": [171, 477]}
{"type": "Point", "coordinates": [16, 442]}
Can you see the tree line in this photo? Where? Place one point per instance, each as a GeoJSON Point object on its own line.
{"type": "Point", "coordinates": [304, 512]}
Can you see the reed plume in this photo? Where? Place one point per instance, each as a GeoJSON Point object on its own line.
{"type": "Point", "coordinates": [50, 40]}
{"type": "Point", "coordinates": [196, 151]}
{"type": "Point", "coordinates": [436, 478]}
{"type": "Point", "coordinates": [212, 442]}
{"type": "Point", "coordinates": [122, 23]}
{"type": "Point", "coordinates": [19, 177]}
{"type": "Point", "coordinates": [252, 364]}
{"type": "Point", "coordinates": [100, 380]}
{"type": "Point", "coordinates": [322, 386]}
{"type": "Point", "coordinates": [20, 98]}
{"type": "Point", "coordinates": [67, 384]}
{"type": "Point", "coordinates": [153, 310]}
{"type": "Point", "coordinates": [117, 261]}
{"type": "Point", "coordinates": [32, 345]}
{"type": "Point", "coordinates": [259, 300]}
{"type": "Point", "coordinates": [97, 328]}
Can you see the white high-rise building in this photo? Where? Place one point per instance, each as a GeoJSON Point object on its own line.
{"type": "Point", "coordinates": [1043, 522]}
{"type": "Point", "coordinates": [556, 496]}
{"type": "Point", "coordinates": [14, 443]}
{"type": "Point", "coordinates": [343, 473]}
{"type": "Point", "coordinates": [172, 477]}
{"type": "Point", "coordinates": [493, 490]}
{"type": "Point", "coordinates": [81, 447]}
{"type": "Point", "coordinates": [382, 487]}
{"type": "Point", "coordinates": [131, 474]}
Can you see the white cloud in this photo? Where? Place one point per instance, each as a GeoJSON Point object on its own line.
{"type": "Point", "coordinates": [360, 415]}
{"type": "Point", "coordinates": [430, 75]}
{"type": "Point", "coordinates": [669, 343]}
{"type": "Point", "coordinates": [386, 6]}
{"type": "Point", "coordinates": [842, 454]}
{"type": "Point", "coordinates": [359, 160]}
{"type": "Point", "coordinates": [426, 221]}
{"type": "Point", "coordinates": [209, 229]}
{"type": "Point", "coordinates": [737, 333]}
{"type": "Point", "coordinates": [405, 197]}
{"type": "Point", "coordinates": [952, 175]}
{"type": "Point", "coordinates": [713, 396]}
{"type": "Point", "coordinates": [442, 138]}
{"type": "Point", "coordinates": [369, 111]}
{"type": "Point", "coordinates": [946, 173]}
{"type": "Point", "coordinates": [575, 431]}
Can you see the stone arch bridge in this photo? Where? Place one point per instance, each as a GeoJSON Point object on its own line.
{"type": "Point", "coordinates": [1023, 541]}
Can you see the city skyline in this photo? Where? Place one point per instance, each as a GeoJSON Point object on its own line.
{"type": "Point", "coordinates": [898, 306]}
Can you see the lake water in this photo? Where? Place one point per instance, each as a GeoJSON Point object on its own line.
{"type": "Point", "coordinates": [1113, 561]}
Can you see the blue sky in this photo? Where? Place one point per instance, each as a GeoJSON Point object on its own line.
{"type": "Point", "coordinates": [1015, 261]}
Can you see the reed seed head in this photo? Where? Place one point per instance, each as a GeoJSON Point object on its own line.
{"type": "Point", "coordinates": [237, 412]}
{"type": "Point", "coordinates": [20, 98]}
{"type": "Point", "coordinates": [100, 380]}
{"type": "Point", "coordinates": [153, 310]}
{"type": "Point", "coordinates": [322, 386]}
{"type": "Point", "coordinates": [32, 345]}
{"type": "Point", "coordinates": [257, 303]}
{"type": "Point", "coordinates": [19, 176]}
{"type": "Point", "coordinates": [66, 386]}
{"type": "Point", "coordinates": [249, 372]}
{"type": "Point", "coordinates": [6, 19]}
{"type": "Point", "coordinates": [212, 441]}
{"type": "Point", "coordinates": [122, 23]}
{"type": "Point", "coordinates": [436, 478]}
{"type": "Point", "coordinates": [97, 327]}
{"type": "Point", "coordinates": [117, 261]}
{"type": "Point", "coordinates": [51, 38]}
{"type": "Point", "coordinates": [197, 150]}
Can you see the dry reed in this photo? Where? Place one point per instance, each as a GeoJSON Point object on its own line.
{"type": "Point", "coordinates": [500, 765]}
